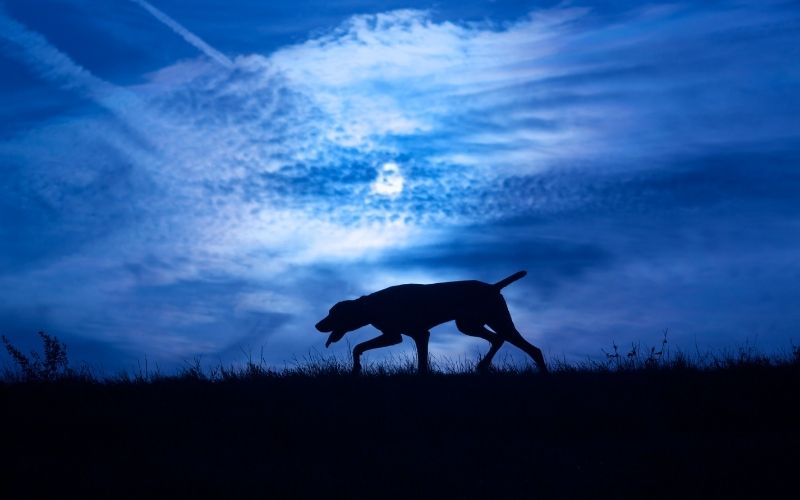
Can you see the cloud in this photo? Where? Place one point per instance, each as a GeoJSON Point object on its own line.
{"type": "Point", "coordinates": [400, 74]}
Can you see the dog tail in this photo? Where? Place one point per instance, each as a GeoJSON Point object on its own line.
{"type": "Point", "coordinates": [507, 281]}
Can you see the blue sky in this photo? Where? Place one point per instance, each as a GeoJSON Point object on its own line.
{"type": "Point", "coordinates": [185, 179]}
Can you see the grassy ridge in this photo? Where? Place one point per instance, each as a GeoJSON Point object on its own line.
{"type": "Point", "coordinates": [618, 429]}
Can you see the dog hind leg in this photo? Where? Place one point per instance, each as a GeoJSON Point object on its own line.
{"type": "Point", "coordinates": [531, 350]}
{"type": "Point", "coordinates": [502, 324]}
{"type": "Point", "coordinates": [476, 329]}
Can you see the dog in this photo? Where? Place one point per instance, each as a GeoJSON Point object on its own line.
{"type": "Point", "coordinates": [413, 310]}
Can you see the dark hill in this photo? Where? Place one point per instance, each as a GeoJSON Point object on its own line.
{"type": "Point", "coordinates": [670, 432]}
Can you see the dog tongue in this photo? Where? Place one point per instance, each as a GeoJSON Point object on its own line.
{"type": "Point", "coordinates": [334, 337]}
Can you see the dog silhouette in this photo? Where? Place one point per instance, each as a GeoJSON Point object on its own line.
{"type": "Point", "coordinates": [413, 310]}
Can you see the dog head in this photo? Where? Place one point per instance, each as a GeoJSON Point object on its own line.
{"type": "Point", "coordinates": [343, 317]}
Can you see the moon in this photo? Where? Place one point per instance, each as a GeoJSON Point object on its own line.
{"type": "Point", "coordinates": [390, 180]}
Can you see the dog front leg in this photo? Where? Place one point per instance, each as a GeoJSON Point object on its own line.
{"type": "Point", "coordinates": [421, 340]}
{"type": "Point", "coordinates": [384, 340]}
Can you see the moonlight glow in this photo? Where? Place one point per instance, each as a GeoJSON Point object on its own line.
{"type": "Point", "coordinates": [390, 180]}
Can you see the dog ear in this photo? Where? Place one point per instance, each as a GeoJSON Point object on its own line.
{"type": "Point", "coordinates": [353, 309]}
{"type": "Point", "coordinates": [346, 308]}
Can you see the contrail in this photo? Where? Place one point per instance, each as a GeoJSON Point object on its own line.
{"type": "Point", "coordinates": [186, 34]}
{"type": "Point", "coordinates": [33, 50]}
{"type": "Point", "coordinates": [48, 62]}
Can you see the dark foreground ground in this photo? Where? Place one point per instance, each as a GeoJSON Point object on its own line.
{"type": "Point", "coordinates": [665, 433]}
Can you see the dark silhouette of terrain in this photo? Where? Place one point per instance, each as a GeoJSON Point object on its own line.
{"type": "Point", "coordinates": [655, 428]}
{"type": "Point", "coordinates": [414, 309]}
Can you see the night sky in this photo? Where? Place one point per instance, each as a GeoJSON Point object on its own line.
{"type": "Point", "coordinates": [206, 178]}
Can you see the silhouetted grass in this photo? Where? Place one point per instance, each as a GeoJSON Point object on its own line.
{"type": "Point", "coordinates": [639, 423]}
